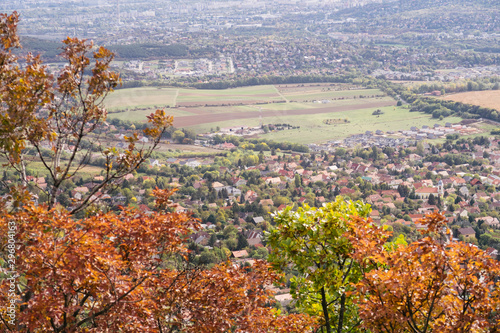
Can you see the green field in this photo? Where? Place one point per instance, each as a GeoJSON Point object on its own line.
{"type": "Point", "coordinates": [141, 113]}
{"type": "Point", "coordinates": [37, 168]}
{"type": "Point", "coordinates": [162, 97]}
{"type": "Point", "coordinates": [313, 130]}
{"type": "Point", "coordinates": [268, 102]}
{"type": "Point", "coordinates": [322, 95]}
{"type": "Point", "coordinates": [254, 93]}
{"type": "Point", "coordinates": [141, 97]}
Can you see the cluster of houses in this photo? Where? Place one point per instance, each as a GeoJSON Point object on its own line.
{"type": "Point", "coordinates": [393, 139]}
{"type": "Point", "coordinates": [450, 75]}
{"type": "Point", "coordinates": [449, 180]}
{"type": "Point", "coordinates": [478, 187]}
{"type": "Point", "coordinates": [187, 67]}
{"type": "Point", "coordinates": [438, 131]}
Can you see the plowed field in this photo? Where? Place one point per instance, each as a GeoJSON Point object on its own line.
{"type": "Point", "coordinates": [487, 98]}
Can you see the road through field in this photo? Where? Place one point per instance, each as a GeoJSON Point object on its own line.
{"type": "Point", "coordinates": [279, 93]}
{"type": "Point", "coordinates": [176, 96]}
{"type": "Point", "coordinates": [219, 117]}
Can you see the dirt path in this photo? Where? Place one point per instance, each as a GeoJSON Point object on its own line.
{"type": "Point", "coordinates": [175, 97]}
{"type": "Point", "coordinates": [218, 117]}
{"type": "Point", "coordinates": [279, 93]}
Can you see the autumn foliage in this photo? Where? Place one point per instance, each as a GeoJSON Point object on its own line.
{"type": "Point", "coordinates": [125, 271]}
{"type": "Point", "coordinates": [54, 114]}
{"type": "Point", "coordinates": [93, 272]}
{"type": "Point", "coordinates": [23, 92]}
{"type": "Point", "coordinates": [129, 271]}
{"type": "Point", "coordinates": [431, 285]}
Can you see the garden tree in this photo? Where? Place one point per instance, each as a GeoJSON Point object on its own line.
{"type": "Point", "coordinates": [60, 113]}
{"type": "Point", "coordinates": [178, 135]}
{"type": "Point", "coordinates": [313, 242]}
{"type": "Point", "coordinates": [431, 200]}
{"type": "Point", "coordinates": [375, 153]}
{"type": "Point", "coordinates": [403, 190]}
{"type": "Point", "coordinates": [431, 285]}
{"type": "Point", "coordinates": [298, 180]}
{"type": "Point", "coordinates": [212, 240]}
{"type": "Point", "coordinates": [242, 242]}
{"type": "Point", "coordinates": [127, 271]}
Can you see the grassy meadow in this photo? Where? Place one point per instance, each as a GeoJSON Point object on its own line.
{"type": "Point", "coordinates": [141, 97]}
{"type": "Point", "coordinates": [253, 93]}
{"type": "Point", "coordinates": [313, 129]}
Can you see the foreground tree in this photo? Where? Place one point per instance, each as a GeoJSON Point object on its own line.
{"type": "Point", "coordinates": [351, 275]}
{"type": "Point", "coordinates": [313, 242]}
{"type": "Point", "coordinates": [57, 116]}
{"type": "Point", "coordinates": [432, 285]}
{"type": "Point", "coordinates": [110, 272]}
{"type": "Point", "coordinates": [127, 273]}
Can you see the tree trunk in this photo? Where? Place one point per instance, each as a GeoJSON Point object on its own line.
{"type": "Point", "coordinates": [24, 180]}
{"type": "Point", "coordinates": [325, 311]}
{"type": "Point", "coordinates": [341, 313]}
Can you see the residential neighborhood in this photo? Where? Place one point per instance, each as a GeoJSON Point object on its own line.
{"type": "Point", "coordinates": [402, 181]}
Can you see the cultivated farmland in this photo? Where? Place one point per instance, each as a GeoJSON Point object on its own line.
{"type": "Point", "coordinates": [487, 98]}
{"type": "Point", "coordinates": [304, 105]}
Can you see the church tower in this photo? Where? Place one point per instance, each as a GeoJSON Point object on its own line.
{"type": "Point", "coordinates": [440, 188]}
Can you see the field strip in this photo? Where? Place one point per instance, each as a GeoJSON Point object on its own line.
{"type": "Point", "coordinates": [219, 117]}
{"type": "Point", "coordinates": [279, 93]}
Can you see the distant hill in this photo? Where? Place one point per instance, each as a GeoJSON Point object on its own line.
{"type": "Point", "coordinates": [443, 15]}
{"type": "Point", "coordinates": [47, 48]}
{"type": "Point", "coordinates": [144, 51]}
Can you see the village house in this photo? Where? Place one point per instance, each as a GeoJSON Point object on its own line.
{"type": "Point", "coordinates": [489, 221]}
{"type": "Point", "coordinates": [239, 254]}
{"type": "Point", "coordinates": [254, 238]}
{"type": "Point", "coordinates": [467, 233]}
{"type": "Point", "coordinates": [425, 192]}
{"type": "Point", "coordinates": [273, 180]}
{"type": "Point", "coordinates": [267, 202]}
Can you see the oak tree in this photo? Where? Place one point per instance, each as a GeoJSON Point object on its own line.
{"type": "Point", "coordinates": [127, 272]}
{"type": "Point", "coordinates": [108, 272]}
{"type": "Point", "coordinates": [432, 285]}
{"type": "Point", "coordinates": [55, 114]}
